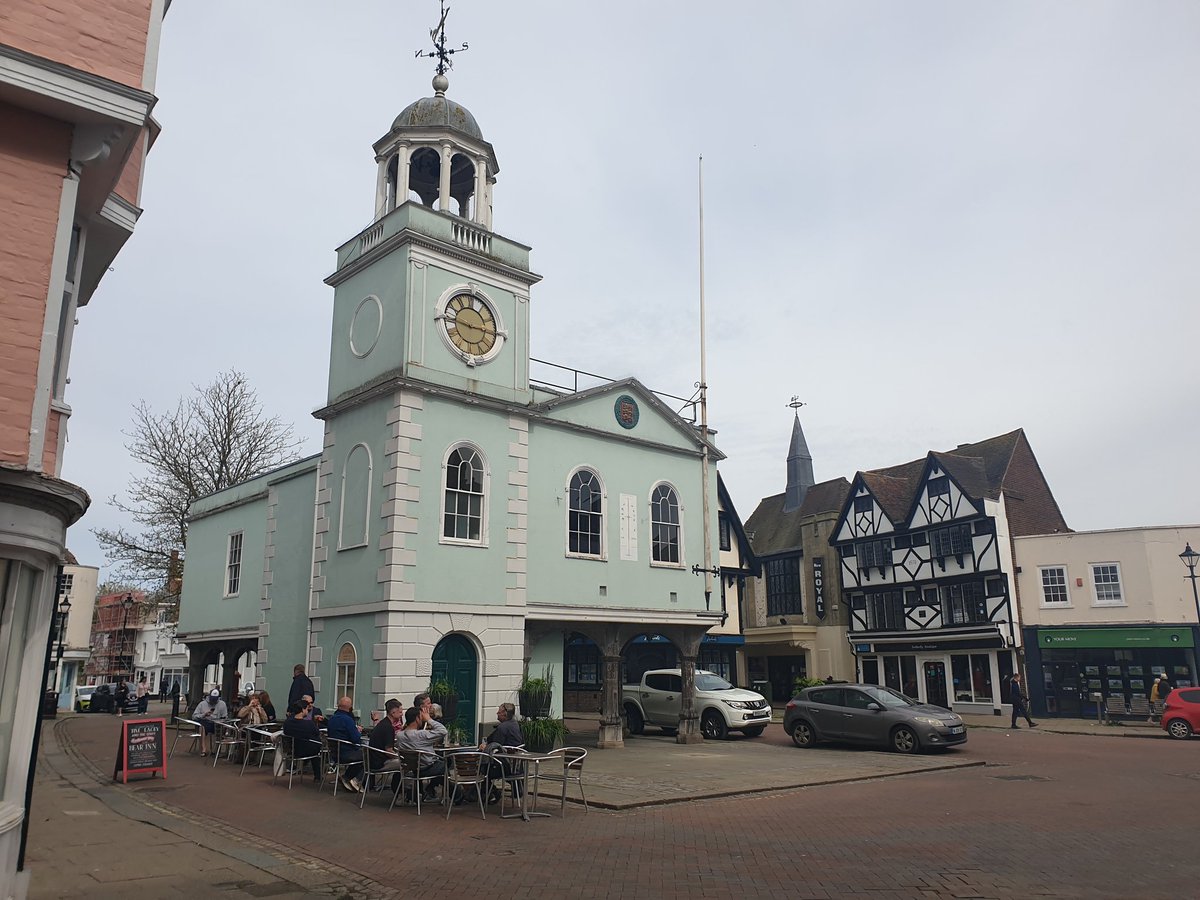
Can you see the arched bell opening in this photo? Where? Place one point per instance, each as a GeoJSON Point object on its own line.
{"type": "Point", "coordinates": [424, 176]}
{"type": "Point", "coordinates": [390, 200]}
{"type": "Point", "coordinates": [462, 183]}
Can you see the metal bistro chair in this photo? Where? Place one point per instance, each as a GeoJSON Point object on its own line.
{"type": "Point", "coordinates": [512, 777]}
{"type": "Point", "coordinates": [374, 760]}
{"type": "Point", "coordinates": [572, 773]}
{"type": "Point", "coordinates": [229, 736]}
{"type": "Point", "coordinates": [410, 771]}
{"type": "Point", "coordinates": [467, 769]}
{"type": "Point", "coordinates": [334, 747]}
{"type": "Point", "coordinates": [287, 746]}
{"type": "Point", "coordinates": [260, 739]}
{"type": "Point", "coordinates": [187, 728]}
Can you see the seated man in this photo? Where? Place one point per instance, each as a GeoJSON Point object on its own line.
{"type": "Point", "coordinates": [207, 712]}
{"type": "Point", "coordinates": [383, 737]}
{"type": "Point", "coordinates": [507, 733]}
{"type": "Point", "coordinates": [342, 727]}
{"type": "Point", "coordinates": [306, 737]}
{"type": "Point", "coordinates": [422, 732]}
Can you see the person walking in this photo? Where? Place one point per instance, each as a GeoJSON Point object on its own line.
{"type": "Point", "coordinates": [174, 701]}
{"type": "Point", "coordinates": [121, 696]}
{"type": "Point", "coordinates": [143, 696]}
{"type": "Point", "coordinates": [1019, 700]}
{"type": "Point", "coordinates": [1158, 695]}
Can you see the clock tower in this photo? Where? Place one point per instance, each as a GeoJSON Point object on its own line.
{"type": "Point", "coordinates": [428, 292]}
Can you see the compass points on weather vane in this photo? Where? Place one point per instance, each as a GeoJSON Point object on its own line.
{"type": "Point", "coordinates": [440, 51]}
{"type": "Point", "coordinates": [796, 403]}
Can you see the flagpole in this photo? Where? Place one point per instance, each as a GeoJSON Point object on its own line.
{"type": "Point", "coordinates": [704, 455]}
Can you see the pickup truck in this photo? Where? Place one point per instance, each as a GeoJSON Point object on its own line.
{"type": "Point", "coordinates": [720, 706]}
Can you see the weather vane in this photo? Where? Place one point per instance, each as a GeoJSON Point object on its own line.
{"type": "Point", "coordinates": [439, 51]}
{"type": "Point", "coordinates": [796, 403]}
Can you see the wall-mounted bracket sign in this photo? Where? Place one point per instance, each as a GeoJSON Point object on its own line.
{"type": "Point", "coordinates": [142, 748]}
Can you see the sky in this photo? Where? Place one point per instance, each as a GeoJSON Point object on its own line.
{"type": "Point", "coordinates": [933, 222]}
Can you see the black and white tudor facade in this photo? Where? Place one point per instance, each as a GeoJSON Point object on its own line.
{"type": "Point", "coordinates": [927, 569]}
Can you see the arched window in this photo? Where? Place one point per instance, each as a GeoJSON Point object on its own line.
{"type": "Point", "coordinates": [462, 517]}
{"type": "Point", "coordinates": [356, 499]}
{"type": "Point", "coordinates": [585, 514]}
{"type": "Point", "coordinates": [664, 525]}
{"type": "Point", "coordinates": [347, 666]}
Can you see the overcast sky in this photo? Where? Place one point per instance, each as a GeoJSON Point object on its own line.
{"type": "Point", "coordinates": [933, 221]}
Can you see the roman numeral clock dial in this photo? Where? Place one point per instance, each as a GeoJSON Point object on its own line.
{"type": "Point", "coordinates": [470, 325]}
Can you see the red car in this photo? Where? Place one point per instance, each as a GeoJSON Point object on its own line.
{"type": "Point", "coordinates": [1181, 715]}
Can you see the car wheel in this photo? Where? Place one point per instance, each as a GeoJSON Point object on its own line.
{"type": "Point", "coordinates": [754, 732]}
{"type": "Point", "coordinates": [802, 735]}
{"type": "Point", "coordinates": [1179, 729]}
{"type": "Point", "coordinates": [712, 726]}
{"type": "Point", "coordinates": [636, 723]}
{"type": "Point", "coordinates": [904, 740]}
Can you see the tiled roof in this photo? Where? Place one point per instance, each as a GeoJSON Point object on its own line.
{"type": "Point", "coordinates": [772, 531]}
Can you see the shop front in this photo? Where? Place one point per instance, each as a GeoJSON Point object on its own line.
{"type": "Point", "coordinates": [1081, 667]}
{"type": "Point", "coordinates": [965, 674]}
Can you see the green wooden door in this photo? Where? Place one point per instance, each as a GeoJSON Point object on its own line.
{"type": "Point", "coordinates": [454, 660]}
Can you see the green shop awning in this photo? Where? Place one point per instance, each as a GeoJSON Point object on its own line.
{"type": "Point", "coordinates": [1114, 638]}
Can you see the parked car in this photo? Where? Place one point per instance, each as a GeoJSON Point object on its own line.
{"type": "Point", "coordinates": [1181, 714]}
{"type": "Point", "coordinates": [102, 698]}
{"type": "Point", "coordinates": [719, 705]}
{"type": "Point", "coordinates": [870, 714]}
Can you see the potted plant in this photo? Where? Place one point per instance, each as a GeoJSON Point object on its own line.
{"type": "Point", "coordinates": [543, 734]}
{"type": "Point", "coordinates": [444, 693]}
{"type": "Point", "coordinates": [456, 735]}
{"type": "Point", "coordinates": [534, 694]}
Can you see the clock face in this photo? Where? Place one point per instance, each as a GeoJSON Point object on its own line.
{"type": "Point", "coordinates": [470, 325]}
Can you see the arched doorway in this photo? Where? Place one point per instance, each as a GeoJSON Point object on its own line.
{"type": "Point", "coordinates": [454, 660]}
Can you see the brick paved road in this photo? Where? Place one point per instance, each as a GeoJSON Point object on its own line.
{"type": "Point", "coordinates": [1050, 816]}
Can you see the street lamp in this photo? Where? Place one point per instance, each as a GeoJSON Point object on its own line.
{"type": "Point", "coordinates": [1190, 557]}
{"type": "Point", "coordinates": [126, 605]}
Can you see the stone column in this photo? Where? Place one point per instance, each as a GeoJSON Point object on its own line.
{"type": "Point", "coordinates": [689, 724]}
{"type": "Point", "coordinates": [611, 736]}
{"type": "Point", "coordinates": [400, 195]}
{"type": "Point", "coordinates": [481, 181]}
{"type": "Point", "coordinates": [444, 180]}
{"type": "Point", "coordinates": [381, 188]}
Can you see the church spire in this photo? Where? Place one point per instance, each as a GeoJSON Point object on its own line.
{"type": "Point", "coordinates": [799, 464]}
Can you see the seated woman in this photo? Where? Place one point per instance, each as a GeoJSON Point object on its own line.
{"type": "Point", "coordinates": [252, 713]}
{"type": "Point", "coordinates": [306, 737]}
{"type": "Point", "coordinates": [264, 700]}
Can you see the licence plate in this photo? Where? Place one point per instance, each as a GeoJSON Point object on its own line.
{"type": "Point", "coordinates": [957, 729]}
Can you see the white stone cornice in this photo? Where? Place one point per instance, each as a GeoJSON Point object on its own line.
{"type": "Point", "coordinates": [557, 612]}
{"type": "Point", "coordinates": [68, 93]}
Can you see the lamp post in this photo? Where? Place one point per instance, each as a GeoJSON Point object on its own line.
{"type": "Point", "coordinates": [126, 605]}
{"type": "Point", "coordinates": [1190, 557]}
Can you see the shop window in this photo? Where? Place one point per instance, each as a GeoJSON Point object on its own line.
{"type": "Point", "coordinates": [582, 661]}
{"type": "Point", "coordinates": [719, 660]}
{"type": "Point", "coordinates": [972, 675]}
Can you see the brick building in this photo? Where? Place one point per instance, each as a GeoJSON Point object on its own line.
{"type": "Point", "coordinates": [76, 93]}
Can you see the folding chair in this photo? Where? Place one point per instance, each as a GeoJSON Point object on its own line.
{"type": "Point", "coordinates": [287, 746]}
{"type": "Point", "coordinates": [335, 748]}
{"type": "Point", "coordinates": [410, 772]}
{"type": "Point", "coordinates": [572, 773]}
{"type": "Point", "coordinates": [261, 740]}
{"type": "Point", "coordinates": [228, 736]}
{"type": "Point", "coordinates": [374, 761]}
{"type": "Point", "coordinates": [186, 728]}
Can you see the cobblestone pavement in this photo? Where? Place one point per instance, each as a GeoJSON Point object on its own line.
{"type": "Point", "coordinates": [1049, 815]}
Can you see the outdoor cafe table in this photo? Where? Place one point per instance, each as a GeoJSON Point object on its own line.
{"type": "Point", "coordinates": [532, 763]}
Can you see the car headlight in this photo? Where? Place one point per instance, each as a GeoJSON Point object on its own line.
{"type": "Point", "coordinates": [936, 723]}
{"type": "Point", "coordinates": [739, 704]}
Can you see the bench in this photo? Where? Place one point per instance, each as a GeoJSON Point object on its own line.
{"type": "Point", "coordinates": [1138, 708]}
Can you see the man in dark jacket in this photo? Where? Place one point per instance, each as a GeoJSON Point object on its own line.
{"type": "Point", "coordinates": [342, 727]}
{"type": "Point", "coordinates": [301, 685]}
{"type": "Point", "coordinates": [1018, 698]}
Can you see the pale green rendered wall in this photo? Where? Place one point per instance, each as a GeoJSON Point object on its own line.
{"type": "Point", "coordinates": [387, 280]}
{"type": "Point", "coordinates": [203, 606]}
{"type": "Point", "coordinates": [291, 571]}
{"type": "Point", "coordinates": [548, 653]}
{"type": "Point", "coordinates": [334, 631]}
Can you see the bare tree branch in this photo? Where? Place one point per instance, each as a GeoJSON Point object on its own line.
{"type": "Point", "coordinates": [217, 437]}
